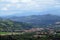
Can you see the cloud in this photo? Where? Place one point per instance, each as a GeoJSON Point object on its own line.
{"type": "Point", "coordinates": [29, 5]}
{"type": "Point", "coordinates": [12, 1]}
{"type": "Point", "coordinates": [4, 8]}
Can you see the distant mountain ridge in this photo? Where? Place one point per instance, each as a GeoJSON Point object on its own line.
{"type": "Point", "coordinates": [37, 19]}
{"type": "Point", "coordinates": [27, 22]}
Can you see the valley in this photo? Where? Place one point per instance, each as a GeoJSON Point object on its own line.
{"type": "Point", "coordinates": [41, 27]}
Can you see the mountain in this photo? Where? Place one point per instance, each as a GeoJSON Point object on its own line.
{"type": "Point", "coordinates": [6, 24]}
{"type": "Point", "coordinates": [37, 19]}
{"type": "Point", "coordinates": [27, 22]}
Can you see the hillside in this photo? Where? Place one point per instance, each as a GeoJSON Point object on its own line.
{"type": "Point", "coordinates": [12, 25]}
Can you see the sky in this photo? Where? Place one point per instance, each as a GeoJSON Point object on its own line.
{"type": "Point", "coordinates": [9, 7]}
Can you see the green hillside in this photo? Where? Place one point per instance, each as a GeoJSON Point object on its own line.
{"type": "Point", "coordinates": [12, 25]}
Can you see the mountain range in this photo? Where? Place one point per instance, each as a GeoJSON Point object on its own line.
{"type": "Point", "coordinates": [27, 22]}
{"type": "Point", "coordinates": [45, 19]}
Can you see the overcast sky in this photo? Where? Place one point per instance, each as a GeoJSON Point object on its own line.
{"type": "Point", "coordinates": [8, 7]}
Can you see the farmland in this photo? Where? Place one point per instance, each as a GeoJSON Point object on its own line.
{"type": "Point", "coordinates": [9, 33]}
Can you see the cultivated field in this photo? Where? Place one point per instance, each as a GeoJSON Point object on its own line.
{"type": "Point", "coordinates": [9, 33]}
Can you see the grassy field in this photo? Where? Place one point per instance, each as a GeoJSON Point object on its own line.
{"type": "Point", "coordinates": [9, 33]}
{"type": "Point", "coordinates": [4, 33]}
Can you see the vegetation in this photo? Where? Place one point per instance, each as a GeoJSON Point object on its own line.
{"type": "Point", "coordinates": [4, 33]}
{"type": "Point", "coordinates": [29, 36]}
{"type": "Point", "coordinates": [8, 25]}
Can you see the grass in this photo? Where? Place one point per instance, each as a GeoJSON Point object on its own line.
{"type": "Point", "coordinates": [4, 32]}
{"type": "Point", "coordinates": [9, 33]}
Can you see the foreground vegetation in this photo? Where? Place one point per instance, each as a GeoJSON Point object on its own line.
{"type": "Point", "coordinates": [29, 36]}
